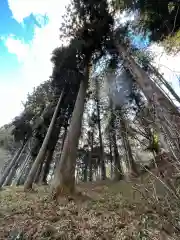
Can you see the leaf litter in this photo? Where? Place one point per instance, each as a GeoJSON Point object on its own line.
{"type": "Point", "coordinates": [113, 211]}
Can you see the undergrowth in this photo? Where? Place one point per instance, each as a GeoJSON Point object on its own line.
{"type": "Point", "coordinates": [121, 211]}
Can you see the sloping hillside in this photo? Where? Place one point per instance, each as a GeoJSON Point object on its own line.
{"type": "Point", "coordinates": [106, 210]}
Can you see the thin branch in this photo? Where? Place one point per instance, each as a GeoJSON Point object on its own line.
{"type": "Point", "coordinates": [175, 21]}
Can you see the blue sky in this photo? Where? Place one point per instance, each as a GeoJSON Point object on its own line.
{"type": "Point", "coordinates": [138, 41]}
{"type": "Point", "coordinates": [9, 64]}
{"type": "Point", "coordinates": [29, 31]}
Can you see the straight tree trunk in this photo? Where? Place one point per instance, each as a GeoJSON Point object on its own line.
{"type": "Point", "coordinates": [26, 171]}
{"type": "Point", "coordinates": [12, 163]}
{"type": "Point", "coordinates": [118, 169]}
{"type": "Point", "coordinates": [90, 157]}
{"type": "Point", "coordinates": [21, 171]}
{"type": "Point", "coordinates": [37, 177]}
{"type": "Point", "coordinates": [47, 166]}
{"type": "Point", "coordinates": [110, 153]}
{"type": "Point", "coordinates": [85, 170]}
{"type": "Point", "coordinates": [165, 111]}
{"type": "Point", "coordinates": [50, 151]}
{"type": "Point", "coordinates": [103, 168]}
{"type": "Point", "coordinates": [102, 162]}
{"type": "Point", "coordinates": [77, 174]}
{"type": "Point", "coordinates": [13, 170]}
{"type": "Point", "coordinates": [148, 87]}
{"type": "Point", "coordinates": [64, 177]}
{"type": "Point", "coordinates": [130, 160]}
{"type": "Point", "coordinates": [165, 83]}
{"type": "Point", "coordinates": [42, 152]}
{"type": "Point", "coordinates": [62, 145]}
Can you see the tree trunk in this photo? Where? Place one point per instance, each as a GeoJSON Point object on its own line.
{"type": "Point", "coordinates": [13, 170]}
{"type": "Point", "coordinates": [110, 153]}
{"type": "Point", "coordinates": [165, 83]}
{"type": "Point", "coordinates": [26, 171]}
{"type": "Point", "coordinates": [12, 163]}
{"type": "Point", "coordinates": [148, 87]}
{"type": "Point", "coordinates": [50, 151]}
{"type": "Point", "coordinates": [62, 145]}
{"type": "Point", "coordinates": [46, 167]}
{"type": "Point", "coordinates": [130, 160]}
{"type": "Point", "coordinates": [103, 168]}
{"type": "Point", "coordinates": [42, 152]}
{"type": "Point", "coordinates": [102, 162]}
{"type": "Point", "coordinates": [21, 171]}
{"type": "Point", "coordinates": [85, 168]}
{"type": "Point", "coordinates": [165, 111]}
{"type": "Point", "coordinates": [38, 174]}
{"type": "Point", "coordinates": [64, 178]}
{"type": "Point", "coordinates": [90, 157]}
{"type": "Point", "coordinates": [118, 169]}
{"type": "Point", "coordinates": [77, 174]}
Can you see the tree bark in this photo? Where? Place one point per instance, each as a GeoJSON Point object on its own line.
{"type": "Point", "coordinates": [103, 168]}
{"type": "Point", "coordinates": [13, 170]}
{"type": "Point", "coordinates": [64, 178]}
{"type": "Point", "coordinates": [102, 162]}
{"type": "Point", "coordinates": [62, 145]}
{"type": "Point", "coordinates": [38, 174]}
{"type": "Point", "coordinates": [165, 83]}
{"type": "Point", "coordinates": [118, 173]}
{"type": "Point", "coordinates": [26, 171]}
{"type": "Point", "coordinates": [42, 152]}
{"type": "Point", "coordinates": [90, 157]}
{"type": "Point", "coordinates": [85, 169]}
{"type": "Point", "coordinates": [148, 87]}
{"type": "Point", "coordinates": [165, 110]}
{"type": "Point", "coordinates": [110, 153]}
{"type": "Point", "coordinates": [21, 171]}
{"type": "Point", "coordinates": [77, 174]}
{"type": "Point", "coordinates": [118, 169]}
{"type": "Point", "coordinates": [12, 163]}
{"type": "Point", "coordinates": [50, 151]}
{"type": "Point", "coordinates": [130, 160]}
{"type": "Point", "coordinates": [46, 167]}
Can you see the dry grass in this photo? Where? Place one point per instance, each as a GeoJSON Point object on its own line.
{"type": "Point", "coordinates": [112, 211]}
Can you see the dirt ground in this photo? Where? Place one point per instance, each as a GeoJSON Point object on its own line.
{"type": "Point", "coordinates": [106, 210]}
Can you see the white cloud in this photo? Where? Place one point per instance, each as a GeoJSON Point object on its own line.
{"type": "Point", "coordinates": [17, 47]}
{"type": "Point", "coordinates": [34, 58]}
{"type": "Point", "coordinates": [10, 99]}
{"type": "Point", "coordinates": [23, 8]}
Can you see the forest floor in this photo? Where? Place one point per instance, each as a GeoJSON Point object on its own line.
{"type": "Point", "coordinates": [107, 211]}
